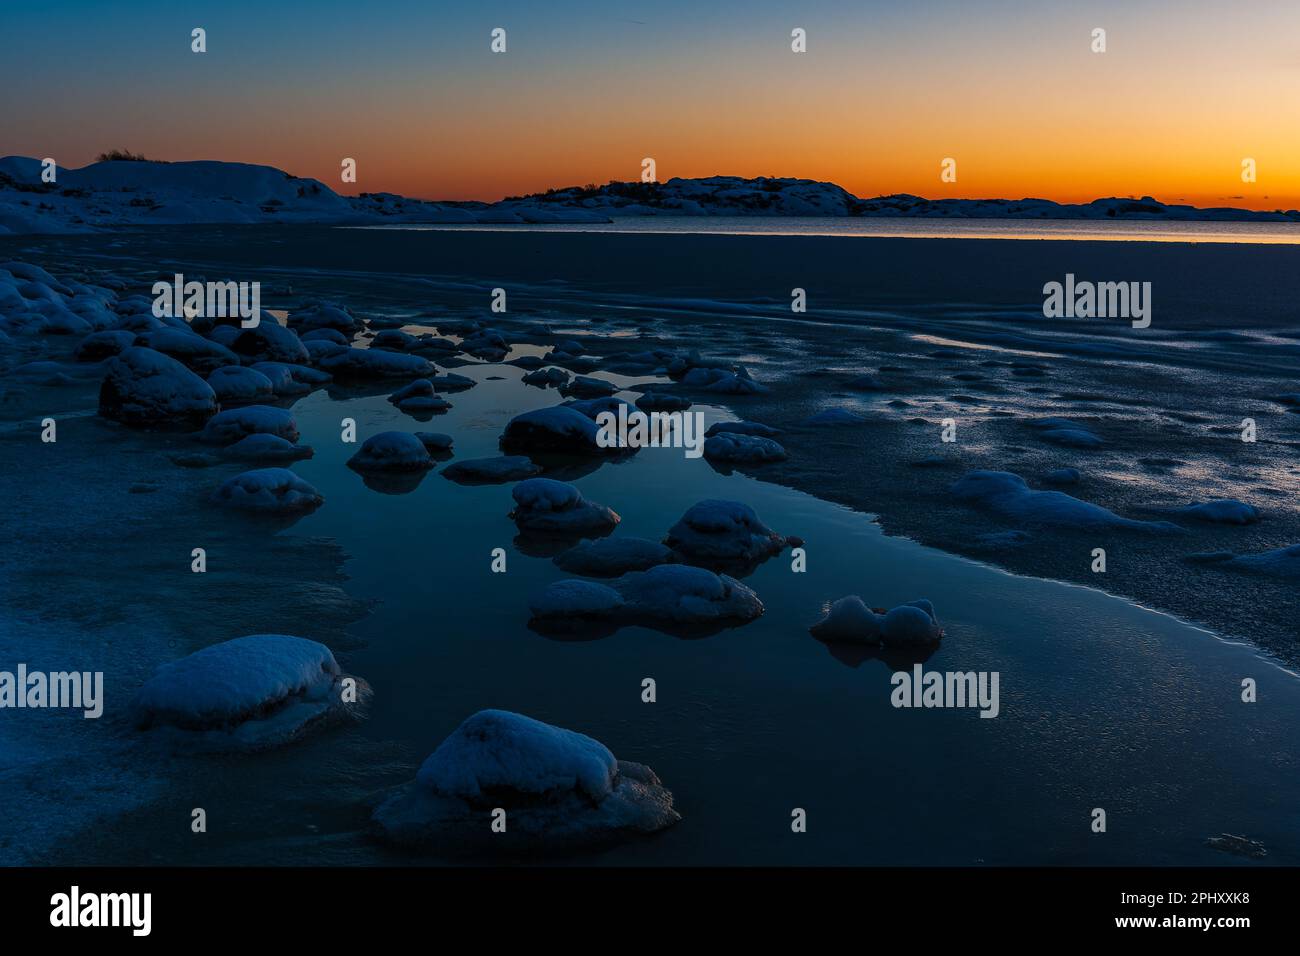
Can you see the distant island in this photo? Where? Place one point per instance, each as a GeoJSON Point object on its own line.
{"type": "Point", "coordinates": [135, 191]}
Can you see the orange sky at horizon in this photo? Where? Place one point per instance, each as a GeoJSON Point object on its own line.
{"type": "Point", "coordinates": [1012, 92]}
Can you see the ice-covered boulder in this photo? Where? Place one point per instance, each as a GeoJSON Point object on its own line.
{"type": "Point", "coordinates": [289, 380]}
{"type": "Point", "coordinates": [419, 396]}
{"type": "Point", "coordinates": [391, 451]}
{"type": "Point", "coordinates": [910, 625]}
{"type": "Point", "coordinates": [652, 401]}
{"type": "Point", "coordinates": [325, 315]}
{"type": "Point", "coordinates": [228, 427]}
{"type": "Point", "coordinates": [850, 621]}
{"type": "Point", "coordinates": [742, 428]}
{"type": "Point", "coordinates": [558, 789]}
{"type": "Point", "coordinates": [101, 345]}
{"type": "Point", "coordinates": [676, 598]}
{"type": "Point", "coordinates": [372, 364]}
{"type": "Point", "coordinates": [549, 377]}
{"type": "Point", "coordinates": [326, 335]}
{"type": "Point", "coordinates": [1007, 494]}
{"type": "Point", "coordinates": [450, 382]}
{"type": "Point", "coordinates": [237, 383]}
{"type": "Point", "coordinates": [723, 533]}
{"type": "Point", "coordinates": [266, 448]}
{"type": "Point", "coordinates": [743, 449]}
{"type": "Point", "coordinates": [270, 491]}
{"type": "Point", "coordinates": [1280, 563]}
{"type": "Point", "coordinates": [612, 557]}
{"type": "Point", "coordinates": [190, 349]}
{"type": "Point", "coordinates": [583, 386]}
{"type": "Point", "coordinates": [1220, 511]}
{"type": "Point", "coordinates": [437, 443]}
{"type": "Point", "coordinates": [553, 429]}
{"type": "Point", "coordinates": [251, 693]}
{"type": "Point", "coordinates": [145, 387]}
{"type": "Point", "coordinates": [269, 341]}
{"type": "Point", "coordinates": [681, 596]}
{"type": "Point", "coordinates": [491, 471]}
{"type": "Point", "coordinates": [545, 506]}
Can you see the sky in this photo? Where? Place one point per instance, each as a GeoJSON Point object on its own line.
{"type": "Point", "coordinates": [411, 90]}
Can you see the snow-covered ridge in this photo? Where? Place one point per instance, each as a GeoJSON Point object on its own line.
{"type": "Point", "coordinates": [117, 193]}
{"type": "Point", "coordinates": [769, 196]}
{"type": "Point", "coordinates": [110, 194]}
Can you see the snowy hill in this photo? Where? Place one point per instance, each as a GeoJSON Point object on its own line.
{"type": "Point", "coordinates": [764, 196]}
{"type": "Point", "coordinates": [110, 194]}
{"type": "Point", "coordinates": [133, 193]}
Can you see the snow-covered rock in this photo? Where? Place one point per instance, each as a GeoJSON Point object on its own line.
{"type": "Point", "coordinates": [145, 387]}
{"type": "Point", "coordinates": [742, 428]}
{"type": "Point", "coordinates": [491, 471]}
{"type": "Point", "coordinates": [1007, 494]}
{"type": "Point", "coordinates": [554, 429]}
{"type": "Point", "coordinates": [269, 490]}
{"type": "Point", "coordinates": [229, 426]}
{"type": "Point", "coordinates": [743, 449]}
{"type": "Point", "coordinates": [545, 506]}
{"type": "Point", "coordinates": [612, 557]}
{"type": "Point", "coordinates": [190, 349]}
{"type": "Point", "coordinates": [236, 383]}
{"type": "Point", "coordinates": [1280, 563]}
{"type": "Point", "coordinates": [98, 346]}
{"type": "Point", "coordinates": [391, 451]}
{"type": "Point", "coordinates": [267, 448]}
{"type": "Point", "coordinates": [373, 364]}
{"type": "Point", "coordinates": [850, 621]}
{"type": "Point", "coordinates": [419, 396]}
{"type": "Point", "coordinates": [549, 377]}
{"type": "Point", "coordinates": [653, 401]}
{"type": "Point", "coordinates": [559, 790]}
{"type": "Point", "coordinates": [437, 443]}
{"type": "Point", "coordinates": [676, 598]}
{"type": "Point", "coordinates": [726, 533]}
{"type": "Point", "coordinates": [250, 693]}
{"type": "Point", "coordinates": [583, 386]}
{"type": "Point", "coordinates": [1220, 511]}
{"type": "Point", "coordinates": [289, 380]}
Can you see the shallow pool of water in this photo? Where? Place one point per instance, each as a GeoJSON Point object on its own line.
{"type": "Point", "coordinates": [1102, 704]}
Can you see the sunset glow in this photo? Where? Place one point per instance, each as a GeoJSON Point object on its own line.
{"type": "Point", "coordinates": [1013, 93]}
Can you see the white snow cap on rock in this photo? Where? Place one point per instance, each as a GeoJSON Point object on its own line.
{"type": "Point", "coordinates": [850, 621]}
{"type": "Point", "coordinates": [559, 789]}
{"type": "Point", "coordinates": [270, 490]}
{"type": "Point", "coordinates": [228, 427]}
{"type": "Point", "coordinates": [723, 531]}
{"type": "Point", "coordinates": [549, 506]}
{"type": "Point", "coordinates": [1007, 494]}
{"type": "Point", "coordinates": [496, 749]}
{"type": "Point", "coordinates": [250, 692]}
{"type": "Point", "coordinates": [391, 451]}
{"type": "Point", "coordinates": [670, 597]}
{"type": "Point", "coordinates": [145, 387]}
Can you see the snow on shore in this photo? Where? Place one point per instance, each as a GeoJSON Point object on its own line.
{"type": "Point", "coordinates": [120, 193]}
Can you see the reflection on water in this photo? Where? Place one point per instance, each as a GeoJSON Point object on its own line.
{"type": "Point", "coordinates": [1124, 230]}
{"type": "Point", "coordinates": [1103, 704]}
